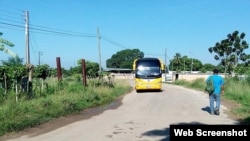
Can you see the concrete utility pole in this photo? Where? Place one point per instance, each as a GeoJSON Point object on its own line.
{"type": "Point", "coordinates": [191, 61]}
{"type": "Point", "coordinates": [39, 56]}
{"type": "Point", "coordinates": [166, 61]}
{"type": "Point", "coordinates": [99, 49]}
{"type": "Point", "coordinates": [184, 65]}
{"type": "Point", "coordinates": [28, 65]}
{"type": "Point", "coordinates": [27, 37]}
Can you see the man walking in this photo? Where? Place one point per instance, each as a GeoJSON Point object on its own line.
{"type": "Point", "coordinates": [215, 97]}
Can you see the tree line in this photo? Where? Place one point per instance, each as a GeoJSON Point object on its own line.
{"type": "Point", "coordinates": [230, 52]}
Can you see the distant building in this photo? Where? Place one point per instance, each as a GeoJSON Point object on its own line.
{"type": "Point", "coordinates": [118, 70]}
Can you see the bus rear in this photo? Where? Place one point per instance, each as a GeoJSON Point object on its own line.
{"type": "Point", "coordinates": [148, 74]}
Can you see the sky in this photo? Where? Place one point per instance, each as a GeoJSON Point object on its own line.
{"type": "Point", "coordinates": [68, 29]}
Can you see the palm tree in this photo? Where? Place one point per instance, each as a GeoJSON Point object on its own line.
{"type": "Point", "coordinates": [3, 43]}
{"type": "Point", "coordinates": [177, 61]}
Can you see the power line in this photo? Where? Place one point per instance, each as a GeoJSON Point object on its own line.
{"type": "Point", "coordinates": [11, 20]}
{"type": "Point", "coordinates": [53, 31]}
{"type": "Point", "coordinates": [126, 47]}
{"type": "Point", "coordinates": [21, 26]}
{"type": "Point", "coordinates": [46, 31]}
{"type": "Point", "coordinates": [64, 31]}
{"type": "Point", "coordinates": [10, 7]}
{"type": "Point", "coordinates": [114, 43]}
{"type": "Point", "coordinates": [11, 17]}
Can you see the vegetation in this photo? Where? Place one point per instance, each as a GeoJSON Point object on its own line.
{"type": "Point", "coordinates": [4, 43]}
{"type": "Point", "coordinates": [22, 106]}
{"type": "Point", "coordinates": [124, 58]}
{"type": "Point", "coordinates": [50, 97]}
{"type": "Point", "coordinates": [58, 99]}
{"type": "Point", "coordinates": [183, 63]}
{"type": "Point", "coordinates": [92, 68]}
{"type": "Point", "coordinates": [14, 74]}
{"type": "Point", "coordinates": [233, 60]}
{"type": "Point", "coordinates": [230, 51]}
{"type": "Point", "coordinates": [235, 90]}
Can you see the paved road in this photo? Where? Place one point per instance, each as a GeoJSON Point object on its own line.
{"type": "Point", "coordinates": [141, 117]}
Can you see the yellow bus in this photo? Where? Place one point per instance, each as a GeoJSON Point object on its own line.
{"type": "Point", "coordinates": [148, 73]}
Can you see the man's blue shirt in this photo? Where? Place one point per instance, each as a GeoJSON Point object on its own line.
{"type": "Point", "coordinates": [218, 82]}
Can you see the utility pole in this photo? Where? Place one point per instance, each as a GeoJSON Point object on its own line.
{"type": "Point", "coordinates": [192, 65]}
{"type": "Point", "coordinates": [27, 37]}
{"type": "Point", "coordinates": [39, 55]}
{"type": "Point", "coordinates": [191, 62]}
{"type": "Point", "coordinates": [184, 65]}
{"type": "Point", "coordinates": [99, 50]}
{"type": "Point", "coordinates": [166, 60]}
{"type": "Point", "coordinates": [28, 65]}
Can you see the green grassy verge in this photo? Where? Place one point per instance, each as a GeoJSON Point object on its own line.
{"type": "Point", "coordinates": [70, 98]}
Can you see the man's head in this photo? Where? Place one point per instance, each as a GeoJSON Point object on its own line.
{"type": "Point", "coordinates": [216, 71]}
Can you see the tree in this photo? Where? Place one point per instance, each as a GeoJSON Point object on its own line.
{"type": "Point", "coordinates": [3, 43]}
{"type": "Point", "coordinates": [230, 51]}
{"type": "Point", "coordinates": [42, 71]}
{"type": "Point", "coordinates": [176, 62]}
{"type": "Point", "coordinates": [183, 63]}
{"type": "Point", "coordinates": [124, 58]}
{"type": "Point", "coordinates": [207, 67]}
{"type": "Point", "coordinates": [197, 65]}
{"type": "Point", "coordinates": [12, 72]}
{"type": "Point", "coordinates": [92, 68]}
{"type": "Point", "coordinates": [13, 61]}
{"type": "Point", "coordinates": [13, 69]}
{"type": "Point", "coordinates": [242, 69]}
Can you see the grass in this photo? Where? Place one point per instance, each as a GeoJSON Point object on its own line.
{"type": "Point", "coordinates": [59, 99]}
{"type": "Point", "coordinates": [235, 90]}
{"type": "Point", "coordinates": [54, 102]}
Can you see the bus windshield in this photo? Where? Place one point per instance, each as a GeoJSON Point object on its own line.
{"type": "Point", "coordinates": [148, 69]}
